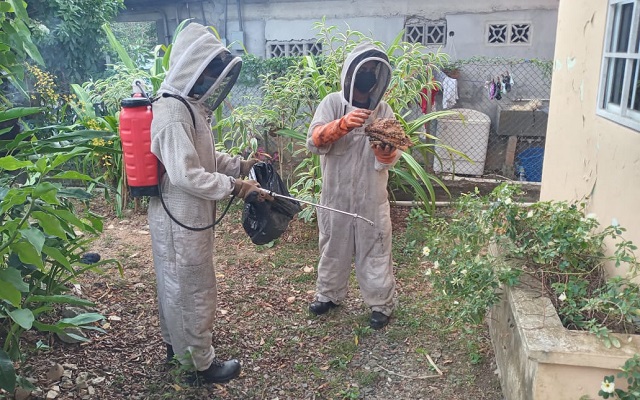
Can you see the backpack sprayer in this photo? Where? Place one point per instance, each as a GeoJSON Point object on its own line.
{"type": "Point", "coordinates": [142, 168]}
{"type": "Point", "coordinates": [141, 165]}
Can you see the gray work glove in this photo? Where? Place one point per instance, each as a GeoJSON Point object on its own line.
{"type": "Point", "coordinates": [245, 166]}
{"type": "Point", "coordinates": [243, 188]}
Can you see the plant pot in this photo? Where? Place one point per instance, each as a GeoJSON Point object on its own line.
{"type": "Point", "coordinates": [539, 359]}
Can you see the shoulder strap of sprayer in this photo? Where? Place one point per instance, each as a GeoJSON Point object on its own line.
{"type": "Point", "coordinates": [182, 100]}
{"type": "Point", "coordinates": [166, 209]}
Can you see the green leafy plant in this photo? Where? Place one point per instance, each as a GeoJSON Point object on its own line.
{"type": "Point", "coordinates": [42, 236]}
{"type": "Point", "coordinates": [70, 35]}
{"type": "Point", "coordinates": [42, 233]}
{"type": "Point", "coordinates": [554, 242]}
{"type": "Point", "coordinates": [255, 68]}
{"type": "Point", "coordinates": [138, 38]}
{"type": "Point", "coordinates": [629, 372]}
{"type": "Point", "coordinates": [17, 46]}
{"type": "Point", "coordinates": [290, 100]}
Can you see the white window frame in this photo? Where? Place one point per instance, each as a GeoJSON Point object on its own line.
{"type": "Point", "coordinates": [509, 26]}
{"type": "Point", "coordinates": [620, 114]}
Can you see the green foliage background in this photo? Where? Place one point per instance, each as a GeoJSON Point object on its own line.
{"type": "Point", "coordinates": [69, 34]}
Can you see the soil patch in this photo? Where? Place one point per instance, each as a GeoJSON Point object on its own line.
{"type": "Point", "coordinates": [263, 294]}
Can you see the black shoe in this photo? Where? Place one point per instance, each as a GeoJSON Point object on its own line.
{"type": "Point", "coordinates": [321, 307]}
{"type": "Point", "coordinates": [218, 372]}
{"type": "Point", "coordinates": [170, 354]}
{"type": "Point", "coordinates": [90, 258]}
{"type": "Point", "coordinates": [378, 320]}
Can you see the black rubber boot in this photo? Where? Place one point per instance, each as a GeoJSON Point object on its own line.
{"type": "Point", "coordinates": [378, 320]}
{"type": "Point", "coordinates": [321, 307]}
{"type": "Point", "coordinates": [218, 372]}
{"type": "Point", "coordinates": [170, 354]}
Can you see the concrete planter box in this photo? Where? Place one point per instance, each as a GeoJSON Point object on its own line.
{"type": "Point", "coordinates": [539, 359]}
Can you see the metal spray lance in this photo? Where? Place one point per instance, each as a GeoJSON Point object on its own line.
{"type": "Point", "coordinates": [274, 194]}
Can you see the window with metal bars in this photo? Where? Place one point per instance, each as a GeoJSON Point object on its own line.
{"type": "Point", "coordinates": [293, 48]}
{"type": "Point", "coordinates": [619, 91]}
{"type": "Point", "coordinates": [511, 33]}
{"type": "Point", "coordinates": [427, 33]}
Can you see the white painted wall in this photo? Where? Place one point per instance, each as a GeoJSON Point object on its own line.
{"type": "Point", "coordinates": [383, 19]}
{"type": "Point", "coordinates": [588, 156]}
{"type": "Point", "coordinates": [470, 34]}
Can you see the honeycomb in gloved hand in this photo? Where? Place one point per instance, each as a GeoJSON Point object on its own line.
{"type": "Point", "coordinates": [388, 131]}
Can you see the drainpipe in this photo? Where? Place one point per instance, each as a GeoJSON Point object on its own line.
{"type": "Point", "coordinates": [239, 15]}
{"type": "Point", "coordinates": [204, 18]}
{"type": "Point", "coordinates": [226, 9]}
{"type": "Point", "coordinates": [167, 36]}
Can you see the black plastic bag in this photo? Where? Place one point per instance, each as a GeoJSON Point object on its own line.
{"type": "Point", "coordinates": [265, 221]}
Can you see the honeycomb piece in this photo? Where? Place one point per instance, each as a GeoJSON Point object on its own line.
{"type": "Point", "coordinates": [388, 131]}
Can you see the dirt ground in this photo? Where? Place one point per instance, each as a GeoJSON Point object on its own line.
{"type": "Point", "coordinates": [263, 295]}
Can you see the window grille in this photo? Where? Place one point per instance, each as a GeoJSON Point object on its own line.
{"type": "Point", "coordinates": [293, 48]}
{"type": "Point", "coordinates": [520, 33]}
{"type": "Point", "coordinates": [509, 33]}
{"type": "Point", "coordinates": [428, 33]}
{"type": "Point", "coordinates": [619, 92]}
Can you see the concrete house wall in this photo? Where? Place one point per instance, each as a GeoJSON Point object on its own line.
{"type": "Point", "coordinates": [254, 22]}
{"type": "Point", "coordinates": [588, 155]}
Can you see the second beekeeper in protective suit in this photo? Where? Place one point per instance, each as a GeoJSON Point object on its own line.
{"type": "Point", "coordinates": [354, 179]}
{"type": "Point", "coordinates": [201, 74]}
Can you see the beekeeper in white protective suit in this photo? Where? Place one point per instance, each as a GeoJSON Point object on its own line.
{"type": "Point", "coordinates": [354, 179]}
{"type": "Point", "coordinates": [201, 72]}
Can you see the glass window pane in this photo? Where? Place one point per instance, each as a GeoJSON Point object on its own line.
{"type": "Point", "coordinates": [624, 14]}
{"type": "Point", "coordinates": [634, 90]}
{"type": "Point", "coordinates": [637, 48]}
{"type": "Point", "coordinates": [616, 77]}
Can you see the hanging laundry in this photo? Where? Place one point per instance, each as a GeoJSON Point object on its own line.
{"type": "Point", "coordinates": [428, 99]}
{"type": "Point", "coordinates": [503, 85]}
{"type": "Point", "coordinates": [449, 92]}
{"type": "Point", "coordinates": [507, 82]}
{"type": "Point", "coordinates": [498, 90]}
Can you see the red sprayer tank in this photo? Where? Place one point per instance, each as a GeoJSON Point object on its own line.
{"type": "Point", "coordinates": [141, 166]}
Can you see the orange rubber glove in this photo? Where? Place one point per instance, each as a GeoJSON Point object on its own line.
{"type": "Point", "coordinates": [328, 133]}
{"type": "Point", "coordinates": [385, 153]}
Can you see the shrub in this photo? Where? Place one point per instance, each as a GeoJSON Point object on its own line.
{"type": "Point", "coordinates": [553, 241]}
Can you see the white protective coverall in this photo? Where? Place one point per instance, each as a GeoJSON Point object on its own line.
{"type": "Point", "coordinates": [354, 180]}
{"type": "Point", "coordinates": [196, 176]}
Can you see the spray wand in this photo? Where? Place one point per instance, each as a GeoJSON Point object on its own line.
{"type": "Point", "coordinates": [274, 194]}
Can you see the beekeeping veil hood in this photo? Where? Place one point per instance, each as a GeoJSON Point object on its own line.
{"type": "Point", "coordinates": [363, 53]}
{"type": "Point", "coordinates": [201, 68]}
